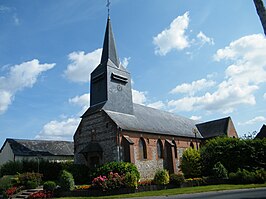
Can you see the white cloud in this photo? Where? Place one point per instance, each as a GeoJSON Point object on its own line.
{"type": "Point", "coordinates": [264, 96]}
{"type": "Point", "coordinates": [82, 65]}
{"type": "Point", "coordinates": [196, 118]}
{"type": "Point", "coordinates": [204, 39]}
{"type": "Point", "coordinates": [59, 130]}
{"type": "Point", "coordinates": [125, 61]}
{"type": "Point", "coordinates": [16, 19]}
{"type": "Point", "coordinates": [82, 101]}
{"type": "Point", "coordinates": [242, 78]}
{"type": "Point", "coordinates": [138, 97]}
{"type": "Point", "coordinates": [173, 37]}
{"type": "Point", "coordinates": [4, 9]}
{"type": "Point", "coordinates": [258, 119]}
{"type": "Point", "coordinates": [19, 77]}
{"type": "Point", "coordinates": [5, 100]}
{"type": "Point", "coordinates": [194, 87]}
{"type": "Point", "coordinates": [157, 105]}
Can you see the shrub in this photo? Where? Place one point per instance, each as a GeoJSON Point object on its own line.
{"type": "Point", "coordinates": [246, 177]}
{"type": "Point", "coordinates": [113, 181]}
{"type": "Point", "coordinates": [145, 182]}
{"type": "Point", "coordinates": [229, 151]}
{"type": "Point", "coordinates": [31, 184]}
{"type": "Point", "coordinates": [117, 167]}
{"type": "Point", "coordinates": [219, 171]}
{"type": "Point", "coordinates": [30, 179]}
{"type": "Point", "coordinates": [195, 181]}
{"type": "Point", "coordinates": [161, 177]}
{"type": "Point", "coordinates": [9, 192]}
{"type": "Point", "coordinates": [177, 179]}
{"type": "Point", "coordinates": [131, 180]}
{"type": "Point", "coordinates": [49, 186]}
{"type": "Point", "coordinates": [40, 194]}
{"type": "Point", "coordinates": [6, 182]}
{"type": "Point", "coordinates": [66, 181]}
{"type": "Point", "coordinates": [82, 187]}
{"type": "Point", "coordinates": [80, 173]}
{"type": "Point", "coordinates": [10, 168]}
{"type": "Point", "coordinates": [191, 163]}
{"type": "Point", "coordinates": [260, 176]}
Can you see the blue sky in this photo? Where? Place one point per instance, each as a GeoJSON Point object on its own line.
{"type": "Point", "coordinates": [200, 59]}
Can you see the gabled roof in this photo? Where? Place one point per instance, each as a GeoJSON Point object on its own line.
{"type": "Point", "coordinates": [214, 128]}
{"type": "Point", "coordinates": [262, 133]}
{"type": "Point", "coordinates": [21, 147]}
{"type": "Point", "coordinates": [150, 120]}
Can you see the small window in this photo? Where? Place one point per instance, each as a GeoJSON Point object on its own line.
{"type": "Point", "coordinates": [160, 149]}
{"type": "Point", "coordinates": [142, 149]}
{"type": "Point", "coordinates": [192, 145]}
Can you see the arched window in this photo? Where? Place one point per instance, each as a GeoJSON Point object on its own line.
{"type": "Point", "coordinates": [192, 145]}
{"type": "Point", "coordinates": [125, 150]}
{"type": "Point", "coordinates": [159, 148]}
{"type": "Point", "coordinates": [175, 148]}
{"type": "Point", "coordinates": [142, 149]}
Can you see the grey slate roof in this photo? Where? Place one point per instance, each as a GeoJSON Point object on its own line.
{"type": "Point", "coordinates": [109, 48]}
{"type": "Point", "coordinates": [92, 147]}
{"type": "Point", "coordinates": [21, 147]}
{"type": "Point", "coordinates": [150, 120]}
{"type": "Point", "coordinates": [214, 128]}
{"type": "Point", "coordinates": [262, 133]}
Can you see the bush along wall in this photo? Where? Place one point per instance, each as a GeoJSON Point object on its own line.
{"type": "Point", "coordinates": [50, 170]}
{"type": "Point", "coordinates": [233, 154]}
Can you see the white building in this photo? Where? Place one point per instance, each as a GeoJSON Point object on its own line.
{"type": "Point", "coordinates": [20, 149]}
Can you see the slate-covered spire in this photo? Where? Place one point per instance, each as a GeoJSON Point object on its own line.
{"type": "Point", "coordinates": [110, 87]}
{"type": "Point", "coordinates": [109, 49]}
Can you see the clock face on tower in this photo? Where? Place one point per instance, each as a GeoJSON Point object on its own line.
{"type": "Point", "coordinates": [119, 87]}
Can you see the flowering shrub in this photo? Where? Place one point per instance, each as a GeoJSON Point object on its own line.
{"type": "Point", "coordinates": [11, 191]}
{"type": "Point", "coordinates": [113, 181]}
{"type": "Point", "coordinates": [145, 182]}
{"type": "Point", "coordinates": [82, 187]}
{"type": "Point", "coordinates": [30, 179]}
{"type": "Point", "coordinates": [40, 194]}
{"type": "Point", "coordinates": [195, 181]}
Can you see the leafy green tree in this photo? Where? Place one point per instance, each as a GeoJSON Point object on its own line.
{"type": "Point", "coordinates": [191, 163]}
{"type": "Point", "coordinates": [219, 171]}
{"type": "Point", "coordinates": [233, 154]}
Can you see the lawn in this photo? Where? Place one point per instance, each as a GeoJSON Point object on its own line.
{"type": "Point", "coordinates": [178, 191]}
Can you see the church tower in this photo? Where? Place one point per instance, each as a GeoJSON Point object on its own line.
{"type": "Point", "coordinates": [110, 87]}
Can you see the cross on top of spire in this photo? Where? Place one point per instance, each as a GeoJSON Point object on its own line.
{"type": "Point", "coordinates": [108, 7]}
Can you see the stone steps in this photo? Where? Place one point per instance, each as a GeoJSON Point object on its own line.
{"type": "Point", "coordinates": [26, 193]}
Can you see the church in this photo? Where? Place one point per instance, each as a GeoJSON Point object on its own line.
{"type": "Point", "coordinates": [116, 129]}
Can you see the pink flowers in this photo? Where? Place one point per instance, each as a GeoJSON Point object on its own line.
{"type": "Point", "coordinates": [113, 181]}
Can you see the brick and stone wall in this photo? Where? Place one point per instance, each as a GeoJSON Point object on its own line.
{"type": "Point", "coordinates": [100, 129]}
{"type": "Point", "coordinates": [149, 166]}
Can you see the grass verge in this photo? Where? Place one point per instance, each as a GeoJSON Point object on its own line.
{"type": "Point", "coordinates": [177, 191]}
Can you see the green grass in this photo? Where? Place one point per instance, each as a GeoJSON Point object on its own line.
{"type": "Point", "coordinates": [177, 191]}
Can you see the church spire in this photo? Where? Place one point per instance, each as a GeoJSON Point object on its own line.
{"type": "Point", "coordinates": [109, 49]}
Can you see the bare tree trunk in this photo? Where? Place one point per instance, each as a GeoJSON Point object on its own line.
{"type": "Point", "coordinates": [261, 12]}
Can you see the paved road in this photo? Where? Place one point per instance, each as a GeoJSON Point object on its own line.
{"type": "Point", "coordinates": [259, 193]}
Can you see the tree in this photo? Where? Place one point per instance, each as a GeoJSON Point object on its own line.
{"type": "Point", "coordinates": [233, 154]}
{"type": "Point", "coordinates": [191, 163]}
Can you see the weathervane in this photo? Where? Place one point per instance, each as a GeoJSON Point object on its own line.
{"type": "Point", "coordinates": [108, 7]}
